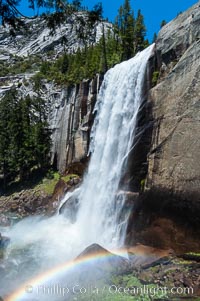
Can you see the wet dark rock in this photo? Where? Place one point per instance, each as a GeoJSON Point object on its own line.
{"type": "Point", "coordinates": [146, 277]}
{"type": "Point", "coordinates": [78, 168]}
{"type": "Point", "coordinates": [69, 208]}
{"type": "Point", "coordinates": [187, 282]}
{"type": "Point", "coordinates": [94, 249]}
{"type": "Point", "coordinates": [191, 256]}
{"type": "Point", "coordinates": [164, 220]}
{"type": "Point", "coordinates": [74, 181]}
{"type": "Point", "coordinates": [145, 257]}
{"type": "Point", "coordinates": [4, 241]}
{"type": "Point", "coordinates": [107, 260]}
{"type": "Point", "coordinates": [4, 220]}
{"type": "Point", "coordinates": [128, 196]}
{"type": "Point", "coordinates": [142, 261]}
{"type": "Point", "coordinates": [59, 190]}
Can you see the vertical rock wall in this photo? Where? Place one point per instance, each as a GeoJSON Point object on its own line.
{"type": "Point", "coordinates": [70, 120]}
{"type": "Point", "coordinates": [167, 212]}
{"type": "Point", "coordinates": [174, 157]}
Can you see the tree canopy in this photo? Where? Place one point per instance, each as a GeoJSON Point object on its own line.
{"type": "Point", "coordinates": [119, 43]}
{"type": "Point", "coordinates": [24, 135]}
{"type": "Point", "coordinates": [55, 10]}
{"type": "Point", "coordinates": [131, 30]}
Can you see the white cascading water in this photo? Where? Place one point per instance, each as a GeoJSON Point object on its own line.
{"type": "Point", "coordinates": [112, 137]}
{"type": "Point", "coordinates": [98, 218]}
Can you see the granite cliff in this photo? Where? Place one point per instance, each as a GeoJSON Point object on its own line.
{"type": "Point", "coordinates": [174, 161]}
{"type": "Point", "coordinates": [69, 107]}
{"type": "Point", "coordinates": [35, 37]}
{"type": "Point", "coordinates": [70, 119]}
{"type": "Point", "coordinates": [168, 210]}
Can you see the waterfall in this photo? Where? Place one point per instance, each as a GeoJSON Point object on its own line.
{"type": "Point", "coordinates": [119, 100]}
{"type": "Point", "coordinates": [98, 218]}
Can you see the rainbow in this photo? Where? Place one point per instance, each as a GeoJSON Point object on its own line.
{"type": "Point", "coordinates": [56, 271]}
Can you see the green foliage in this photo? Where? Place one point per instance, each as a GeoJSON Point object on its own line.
{"type": "Point", "coordinates": [154, 38]}
{"type": "Point", "coordinates": [130, 30]}
{"type": "Point", "coordinates": [155, 78]}
{"type": "Point", "coordinates": [11, 14]}
{"type": "Point", "coordinates": [24, 135]}
{"type": "Point", "coordinates": [163, 23]}
{"type": "Point", "coordinates": [193, 254]}
{"type": "Point", "coordinates": [127, 39]}
{"type": "Point", "coordinates": [125, 28]}
{"type": "Point", "coordinates": [126, 280]}
{"type": "Point", "coordinates": [20, 65]}
{"type": "Point", "coordinates": [140, 32]}
{"type": "Point", "coordinates": [135, 289]}
{"type": "Point", "coordinates": [37, 81]}
{"type": "Point", "coordinates": [96, 13]}
{"type": "Point", "coordinates": [4, 69]}
{"type": "Point", "coordinates": [85, 63]}
{"type": "Point", "coordinates": [76, 4]}
{"type": "Point", "coordinates": [111, 49]}
{"type": "Point", "coordinates": [123, 293]}
{"type": "Point", "coordinates": [48, 183]}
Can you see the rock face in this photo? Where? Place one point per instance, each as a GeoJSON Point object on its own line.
{"type": "Point", "coordinates": [70, 120]}
{"type": "Point", "coordinates": [4, 241]}
{"type": "Point", "coordinates": [174, 157]}
{"type": "Point", "coordinates": [69, 107]}
{"type": "Point", "coordinates": [167, 213]}
{"type": "Point", "coordinates": [69, 115]}
{"type": "Point", "coordinates": [69, 209]}
{"type": "Point", "coordinates": [35, 37]}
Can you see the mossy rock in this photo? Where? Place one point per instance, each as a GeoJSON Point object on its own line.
{"type": "Point", "coordinates": [191, 256]}
{"type": "Point", "coordinates": [48, 183]}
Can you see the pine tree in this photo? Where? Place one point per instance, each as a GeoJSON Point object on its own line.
{"type": "Point", "coordinates": [154, 38]}
{"type": "Point", "coordinates": [76, 4]}
{"type": "Point", "coordinates": [104, 62]}
{"type": "Point", "coordinates": [6, 156]}
{"type": "Point", "coordinates": [65, 64]}
{"type": "Point", "coordinates": [163, 23]}
{"type": "Point", "coordinates": [140, 32]}
{"type": "Point", "coordinates": [95, 14]}
{"type": "Point", "coordinates": [131, 31]}
{"type": "Point", "coordinates": [24, 135]}
{"type": "Point", "coordinates": [25, 151]}
{"type": "Point", "coordinates": [113, 49]}
{"type": "Point", "coordinates": [125, 24]}
{"type": "Point", "coordinates": [40, 134]}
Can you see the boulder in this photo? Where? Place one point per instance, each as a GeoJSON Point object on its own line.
{"type": "Point", "coordinates": [94, 249]}
{"type": "Point", "coordinates": [105, 261]}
